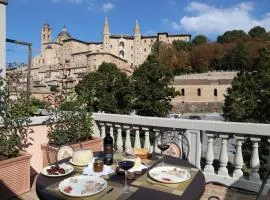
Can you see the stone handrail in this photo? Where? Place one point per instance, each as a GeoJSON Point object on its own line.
{"type": "Point", "coordinates": [196, 131]}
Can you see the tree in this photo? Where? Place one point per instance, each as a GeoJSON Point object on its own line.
{"type": "Point", "coordinates": [182, 45]}
{"type": "Point", "coordinates": [151, 82]}
{"type": "Point", "coordinates": [108, 89]}
{"type": "Point", "coordinates": [257, 31]}
{"type": "Point", "coordinates": [199, 39]}
{"type": "Point", "coordinates": [248, 98]}
{"type": "Point", "coordinates": [233, 36]}
{"type": "Point", "coordinates": [237, 59]}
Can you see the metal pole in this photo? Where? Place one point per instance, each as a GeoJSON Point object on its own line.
{"type": "Point", "coordinates": [3, 4]}
{"type": "Point", "coordinates": [29, 75]}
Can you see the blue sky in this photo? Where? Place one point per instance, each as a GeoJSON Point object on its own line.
{"type": "Point", "coordinates": [84, 18]}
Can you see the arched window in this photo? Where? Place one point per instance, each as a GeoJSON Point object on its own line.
{"type": "Point", "coordinates": [199, 92]}
{"type": "Point", "coordinates": [122, 44]}
{"type": "Point", "coordinates": [215, 92]}
{"type": "Point", "coordinates": [44, 36]}
{"type": "Point", "coordinates": [183, 92]}
{"type": "Point", "coordinates": [122, 54]}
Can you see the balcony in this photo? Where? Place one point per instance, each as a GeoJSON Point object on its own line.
{"type": "Point", "coordinates": [210, 142]}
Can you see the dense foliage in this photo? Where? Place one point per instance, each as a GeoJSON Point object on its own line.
{"type": "Point", "coordinates": [201, 55]}
{"type": "Point", "coordinates": [152, 89]}
{"type": "Point", "coordinates": [14, 131]}
{"type": "Point", "coordinates": [108, 89]}
{"type": "Point", "coordinates": [248, 100]}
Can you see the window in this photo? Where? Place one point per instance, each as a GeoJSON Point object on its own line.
{"type": "Point", "coordinates": [122, 54]}
{"type": "Point", "coordinates": [199, 92]}
{"type": "Point", "coordinates": [131, 47]}
{"type": "Point", "coordinates": [183, 92]}
{"type": "Point", "coordinates": [44, 37]}
{"type": "Point", "coordinates": [43, 61]}
{"type": "Point", "coordinates": [111, 46]}
{"type": "Point", "coordinates": [215, 92]}
{"type": "Point", "coordinates": [144, 41]}
{"type": "Point", "coordinates": [151, 40]}
{"type": "Point", "coordinates": [122, 44]}
{"type": "Point", "coordinates": [144, 49]}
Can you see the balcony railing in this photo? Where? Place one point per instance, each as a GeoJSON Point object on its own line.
{"type": "Point", "coordinates": [208, 140]}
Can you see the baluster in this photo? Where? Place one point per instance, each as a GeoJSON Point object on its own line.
{"type": "Point", "coordinates": [223, 157]}
{"type": "Point", "coordinates": [238, 159]}
{"type": "Point", "coordinates": [255, 160]}
{"type": "Point", "coordinates": [157, 150]}
{"type": "Point", "coordinates": [209, 154]}
{"type": "Point", "coordinates": [146, 139]}
{"type": "Point", "coordinates": [268, 161]}
{"type": "Point", "coordinates": [103, 130]}
{"type": "Point", "coordinates": [128, 141]}
{"type": "Point", "coordinates": [119, 141]}
{"type": "Point", "coordinates": [137, 143]}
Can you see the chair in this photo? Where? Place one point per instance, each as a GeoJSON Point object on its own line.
{"type": "Point", "coordinates": [179, 144]}
{"type": "Point", "coordinates": [61, 153]}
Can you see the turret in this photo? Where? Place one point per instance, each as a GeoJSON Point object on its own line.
{"type": "Point", "coordinates": [46, 34]}
{"type": "Point", "coordinates": [106, 35]}
{"type": "Point", "coordinates": [137, 31]}
{"type": "Point", "coordinates": [137, 41]}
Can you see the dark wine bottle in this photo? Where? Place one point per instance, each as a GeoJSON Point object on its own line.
{"type": "Point", "coordinates": [108, 149]}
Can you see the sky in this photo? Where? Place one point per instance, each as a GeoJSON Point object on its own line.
{"type": "Point", "coordinates": [84, 18]}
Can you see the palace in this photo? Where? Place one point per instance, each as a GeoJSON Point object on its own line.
{"type": "Point", "coordinates": [80, 57]}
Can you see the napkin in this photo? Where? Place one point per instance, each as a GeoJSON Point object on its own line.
{"type": "Point", "coordinates": [138, 169]}
{"type": "Point", "coordinates": [90, 172]}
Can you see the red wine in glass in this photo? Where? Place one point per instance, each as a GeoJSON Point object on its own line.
{"type": "Point", "coordinates": [163, 147]}
{"type": "Point", "coordinates": [126, 165]}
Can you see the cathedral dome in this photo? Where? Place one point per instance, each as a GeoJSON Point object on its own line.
{"type": "Point", "coordinates": [64, 33]}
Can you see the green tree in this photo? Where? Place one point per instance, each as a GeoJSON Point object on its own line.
{"type": "Point", "coordinates": [257, 31]}
{"type": "Point", "coordinates": [108, 89]}
{"type": "Point", "coordinates": [233, 36]}
{"type": "Point", "coordinates": [248, 100]}
{"type": "Point", "coordinates": [199, 39]}
{"type": "Point", "coordinates": [180, 45]}
{"type": "Point", "coordinates": [237, 59]}
{"type": "Point", "coordinates": [152, 88]}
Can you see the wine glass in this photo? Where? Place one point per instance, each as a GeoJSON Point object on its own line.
{"type": "Point", "coordinates": [126, 165]}
{"type": "Point", "coordinates": [163, 146]}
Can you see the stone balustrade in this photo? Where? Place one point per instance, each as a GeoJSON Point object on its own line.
{"type": "Point", "coordinates": [216, 135]}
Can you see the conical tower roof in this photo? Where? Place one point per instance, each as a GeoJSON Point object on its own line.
{"type": "Point", "coordinates": [106, 28]}
{"type": "Point", "coordinates": [137, 28]}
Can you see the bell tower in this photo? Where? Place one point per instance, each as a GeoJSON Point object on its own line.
{"type": "Point", "coordinates": [137, 44]}
{"type": "Point", "coordinates": [46, 34]}
{"type": "Point", "coordinates": [106, 35]}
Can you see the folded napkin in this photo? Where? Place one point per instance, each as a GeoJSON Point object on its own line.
{"type": "Point", "coordinates": [90, 172]}
{"type": "Point", "coordinates": [139, 168]}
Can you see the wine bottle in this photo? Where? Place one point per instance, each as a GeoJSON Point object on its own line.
{"type": "Point", "coordinates": [108, 149]}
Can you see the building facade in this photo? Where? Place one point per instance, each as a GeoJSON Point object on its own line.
{"type": "Point", "coordinates": [66, 54]}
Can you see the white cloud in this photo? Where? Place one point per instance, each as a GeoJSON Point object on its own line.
{"type": "Point", "coordinates": [208, 19]}
{"type": "Point", "coordinates": [106, 7]}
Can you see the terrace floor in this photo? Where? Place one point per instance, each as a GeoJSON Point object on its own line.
{"type": "Point", "coordinates": [210, 190]}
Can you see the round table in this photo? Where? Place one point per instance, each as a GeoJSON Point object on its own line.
{"type": "Point", "coordinates": [193, 191]}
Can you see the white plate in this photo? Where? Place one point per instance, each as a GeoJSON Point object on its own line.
{"type": "Point", "coordinates": [68, 169]}
{"type": "Point", "coordinates": [82, 186]}
{"type": "Point", "coordinates": [80, 165]}
{"type": "Point", "coordinates": [169, 174]}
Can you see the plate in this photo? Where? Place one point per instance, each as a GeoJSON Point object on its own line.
{"type": "Point", "coordinates": [80, 165]}
{"type": "Point", "coordinates": [169, 174]}
{"type": "Point", "coordinates": [82, 186]}
{"type": "Point", "coordinates": [68, 169]}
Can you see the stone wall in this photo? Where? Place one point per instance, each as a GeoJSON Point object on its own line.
{"type": "Point", "coordinates": [197, 107]}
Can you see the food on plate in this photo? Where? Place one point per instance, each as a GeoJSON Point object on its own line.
{"type": "Point", "coordinates": [82, 157]}
{"type": "Point", "coordinates": [137, 164]}
{"type": "Point", "coordinates": [55, 170]}
{"type": "Point", "coordinates": [142, 153]}
{"type": "Point", "coordinates": [68, 189]}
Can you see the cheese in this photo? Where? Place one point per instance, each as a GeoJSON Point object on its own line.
{"type": "Point", "coordinates": [82, 157]}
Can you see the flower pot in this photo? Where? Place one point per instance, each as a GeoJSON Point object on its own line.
{"type": "Point", "coordinates": [94, 145]}
{"type": "Point", "coordinates": [15, 176]}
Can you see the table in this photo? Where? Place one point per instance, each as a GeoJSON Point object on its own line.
{"type": "Point", "coordinates": [194, 190]}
